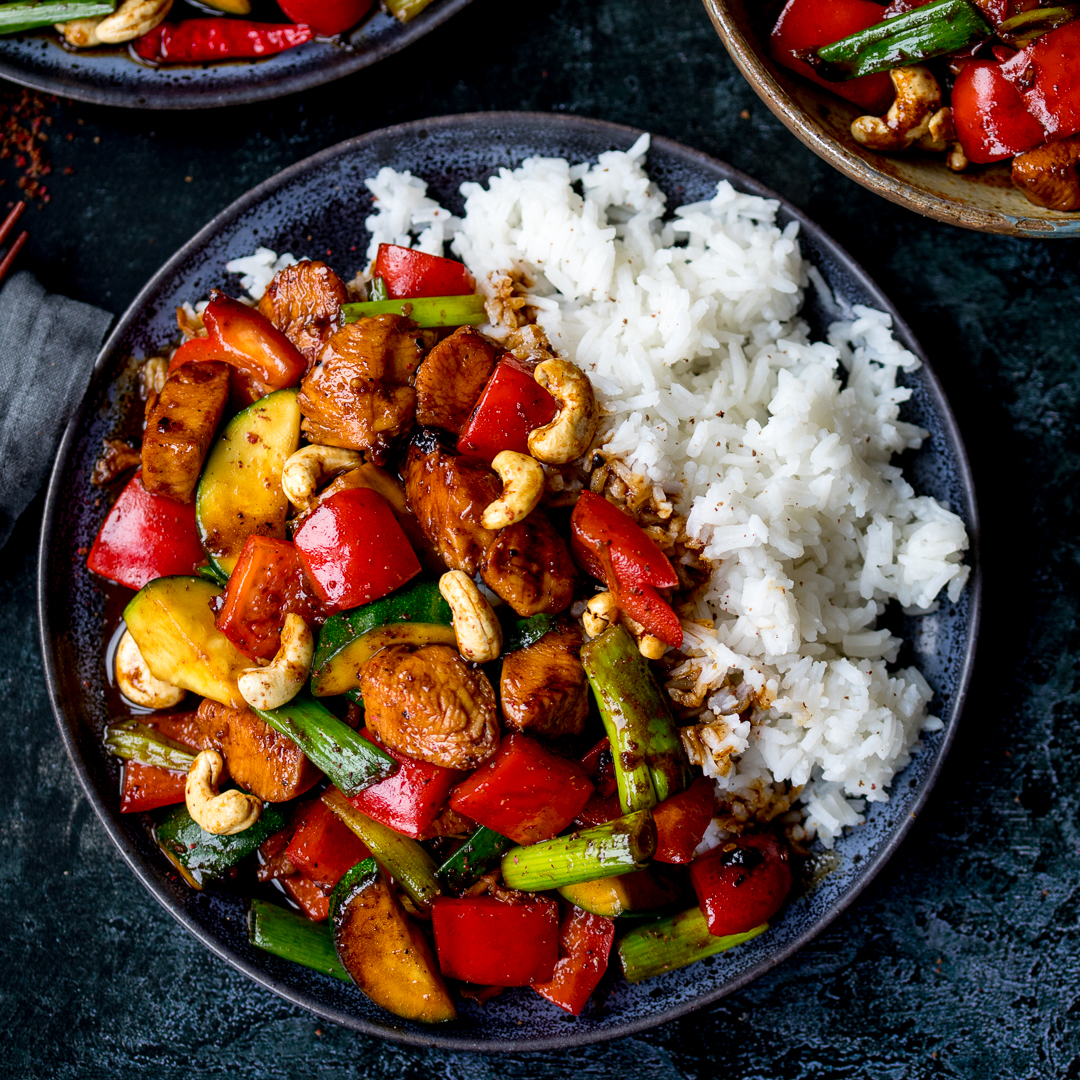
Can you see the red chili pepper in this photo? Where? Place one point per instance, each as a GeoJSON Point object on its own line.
{"type": "Point", "coordinates": [411, 799]}
{"type": "Point", "coordinates": [408, 274]}
{"type": "Point", "coordinates": [991, 118]}
{"type": "Point", "coordinates": [525, 791]}
{"type": "Point", "coordinates": [312, 901]}
{"type": "Point", "coordinates": [322, 848]}
{"type": "Point", "coordinates": [266, 584]}
{"type": "Point", "coordinates": [326, 17]}
{"type": "Point", "coordinates": [585, 942]}
{"type": "Point", "coordinates": [511, 405]}
{"type": "Point", "coordinates": [354, 550]}
{"type": "Point", "coordinates": [809, 24]}
{"type": "Point", "coordinates": [1045, 74]}
{"type": "Point", "coordinates": [146, 536]}
{"type": "Point", "coordinates": [481, 940]}
{"type": "Point", "coordinates": [681, 822]}
{"type": "Point", "coordinates": [198, 41]}
{"type": "Point", "coordinates": [741, 884]}
{"type": "Point", "coordinates": [146, 787]}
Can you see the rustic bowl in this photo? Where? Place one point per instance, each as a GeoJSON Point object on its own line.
{"type": "Point", "coordinates": [981, 198]}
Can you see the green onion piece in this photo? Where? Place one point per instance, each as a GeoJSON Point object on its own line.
{"type": "Point", "coordinates": [293, 937]}
{"type": "Point", "coordinates": [472, 860]}
{"type": "Point", "coordinates": [213, 574]}
{"type": "Point", "coordinates": [616, 847]}
{"type": "Point", "coordinates": [404, 10]}
{"type": "Point", "coordinates": [936, 29]}
{"type": "Point", "coordinates": [425, 311]}
{"type": "Point", "coordinates": [673, 943]}
{"type": "Point", "coordinates": [133, 741]}
{"type": "Point", "coordinates": [30, 14]}
{"type": "Point", "coordinates": [650, 764]}
{"type": "Point", "coordinates": [520, 633]}
{"type": "Point", "coordinates": [377, 289]}
{"type": "Point", "coordinates": [402, 857]}
{"type": "Point", "coordinates": [1026, 27]}
{"type": "Point", "coordinates": [352, 763]}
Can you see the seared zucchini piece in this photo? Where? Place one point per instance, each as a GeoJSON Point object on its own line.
{"type": "Point", "coordinates": [239, 492]}
{"type": "Point", "coordinates": [640, 893]}
{"type": "Point", "coordinates": [414, 615]}
{"type": "Point", "coordinates": [384, 951]}
{"type": "Point", "coordinates": [294, 937]}
{"type": "Point", "coordinates": [172, 623]}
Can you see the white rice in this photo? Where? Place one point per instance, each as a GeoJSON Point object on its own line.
{"type": "Point", "coordinates": [776, 447]}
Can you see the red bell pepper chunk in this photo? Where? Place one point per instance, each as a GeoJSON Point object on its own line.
{"type": "Point", "coordinates": [511, 405]}
{"type": "Point", "coordinates": [1045, 74]}
{"type": "Point", "coordinates": [146, 536]}
{"type": "Point", "coordinates": [525, 791]}
{"type": "Point", "coordinates": [326, 17]}
{"type": "Point", "coordinates": [146, 787]}
{"type": "Point", "coordinates": [991, 117]}
{"type": "Point", "coordinates": [599, 766]}
{"type": "Point", "coordinates": [411, 799]}
{"type": "Point", "coordinates": [741, 884]}
{"type": "Point", "coordinates": [322, 848]}
{"type": "Point", "coordinates": [312, 901]}
{"type": "Point", "coordinates": [199, 41]}
{"type": "Point", "coordinates": [485, 941]}
{"type": "Point", "coordinates": [598, 810]}
{"type": "Point", "coordinates": [809, 24]}
{"type": "Point", "coordinates": [182, 727]}
{"type": "Point", "coordinates": [266, 584]}
{"type": "Point", "coordinates": [408, 274]}
{"type": "Point", "coordinates": [681, 822]}
{"type": "Point", "coordinates": [354, 550]}
{"type": "Point", "coordinates": [585, 942]}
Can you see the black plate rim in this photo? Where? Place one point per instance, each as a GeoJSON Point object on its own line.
{"type": "Point", "coordinates": [439, 1039]}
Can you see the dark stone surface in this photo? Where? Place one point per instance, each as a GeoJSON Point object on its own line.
{"type": "Point", "coordinates": [961, 960]}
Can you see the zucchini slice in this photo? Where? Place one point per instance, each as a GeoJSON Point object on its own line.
{"type": "Point", "coordinates": [414, 615]}
{"type": "Point", "coordinates": [239, 492]}
{"type": "Point", "coordinates": [172, 623]}
{"type": "Point", "coordinates": [384, 951]}
{"type": "Point", "coordinates": [639, 893]}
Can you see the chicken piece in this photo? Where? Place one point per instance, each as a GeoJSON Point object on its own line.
{"type": "Point", "coordinates": [449, 493]}
{"type": "Point", "coordinates": [451, 377]}
{"type": "Point", "coordinates": [304, 303]}
{"type": "Point", "coordinates": [544, 690]}
{"type": "Point", "coordinates": [358, 394]}
{"type": "Point", "coordinates": [529, 566]}
{"type": "Point", "coordinates": [1049, 176]}
{"type": "Point", "coordinates": [258, 758]}
{"type": "Point", "coordinates": [430, 705]}
{"type": "Point", "coordinates": [180, 427]}
{"type": "Point", "coordinates": [117, 457]}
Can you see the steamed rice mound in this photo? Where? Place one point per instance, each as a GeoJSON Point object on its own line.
{"type": "Point", "coordinates": [776, 448]}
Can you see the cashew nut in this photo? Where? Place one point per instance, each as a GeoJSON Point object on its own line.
{"type": "Point", "coordinates": [523, 485]}
{"type": "Point", "coordinates": [230, 812]}
{"type": "Point", "coordinates": [569, 435]}
{"type": "Point", "coordinates": [479, 635]}
{"type": "Point", "coordinates": [135, 682]}
{"type": "Point", "coordinates": [81, 33]}
{"type": "Point", "coordinates": [282, 679]}
{"type": "Point", "coordinates": [132, 19]}
{"type": "Point", "coordinates": [652, 648]}
{"type": "Point", "coordinates": [601, 613]}
{"type": "Point", "coordinates": [310, 467]}
{"type": "Point", "coordinates": [909, 120]}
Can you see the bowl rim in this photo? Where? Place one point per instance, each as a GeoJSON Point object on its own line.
{"type": "Point", "coordinates": [757, 73]}
{"type": "Point", "coordinates": [438, 1038]}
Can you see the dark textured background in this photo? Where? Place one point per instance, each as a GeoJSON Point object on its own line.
{"type": "Point", "coordinates": [961, 960]}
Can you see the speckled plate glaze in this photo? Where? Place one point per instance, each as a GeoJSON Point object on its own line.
{"type": "Point", "coordinates": [317, 207]}
{"type": "Point", "coordinates": [982, 198]}
{"type": "Point", "coordinates": [111, 77]}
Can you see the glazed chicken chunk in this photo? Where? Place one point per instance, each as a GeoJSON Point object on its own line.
{"type": "Point", "coordinates": [530, 567]}
{"type": "Point", "coordinates": [304, 303]}
{"type": "Point", "coordinates": [451, 377]}
{"type": "Point", "coordinates": [544, 690]}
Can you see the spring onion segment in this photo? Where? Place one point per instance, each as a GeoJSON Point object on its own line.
{"type": "Point", "coordinates": [132, 741]}
{"type": "Point", "coordinates": [1026, 27]}
{"type": "Point", "coordinates": [294, 937]}
{"type": "Point", "coordinates": [425, 311]}
{"type": "Point", "coordinates": [30, 14]}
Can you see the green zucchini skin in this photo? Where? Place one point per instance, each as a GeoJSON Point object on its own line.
{"type": "Point", "coordinates": [204, 856]}
{"type": "Point", "coordinates": [520, 633]}
{"type": "Point", "coordinates": [472, 860]}
{"type": "Point", "coordinates": [239, 493]}
{"type": "Point", "coordinates": [294, 937]}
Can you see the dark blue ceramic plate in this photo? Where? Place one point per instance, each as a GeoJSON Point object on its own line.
{"type": "Point", "coordinates": [111, 77]}
{"type": "Point", "coordinates": [316, 207]}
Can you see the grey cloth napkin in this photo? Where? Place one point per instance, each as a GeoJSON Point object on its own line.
{"type": "Point", "coordinates": [48, 344]}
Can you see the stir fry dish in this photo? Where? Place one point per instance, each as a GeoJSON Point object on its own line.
{"type": "Point", "coordinates": [234, 32]}
{"type": "Point", "coordinates": [395, 654]}
{"type": "Point", "coordinates": [979, 81]}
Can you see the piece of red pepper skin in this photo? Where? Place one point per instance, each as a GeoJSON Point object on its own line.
{"type": "Point", "coordinates": [409, 274]}
{"type": "Point", "coordinates": [643, 604]}
{"type": "Point", "coordinates": [681, 821]}
{"type": "Point", "coordinates": [146, 787]}
{"type": "Point", "coordinates": [312, 900]}
{"type": "Point", "coordinates": [328, 18]}
{"type": "Point", "coordinates": [254, 340]}
{"type": "Point", "coordinates": [990, 116]}
{"type": "Point", "coordinates": [146, 536]}
{"type": "Point", "coordinates": [484, 941]}
{"type": "Point", "coordinates": [809, 24]}
{"type": "Point", "coordinates": [1045, 74]}
{"type": "Point", "coordinates": [323, 848]}
{"type": "Point", "coordinates": [353, 549]}
{"type": "Point", "coordinates": [742, 883]}
{"type": "Point", "coordinates": [585, 942]}
{"type": "Point", "coordinates": [596, 523]}
{"type": "Point", "coordinates": [599, 766]}
{"type": "Point", "coordinates": [200, 41]}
